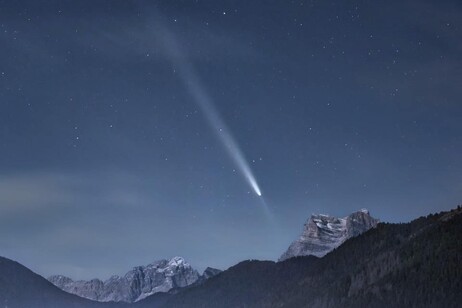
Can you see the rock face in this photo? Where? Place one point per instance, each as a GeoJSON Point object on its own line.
{"type": "Point", "coordinates": [209, 272]}
{"type": "Point", "coordinates": [140, 282]}
{"type": "Point", "coordinates": [323, 233]}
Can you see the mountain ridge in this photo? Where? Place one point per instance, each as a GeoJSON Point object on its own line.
{"type": "Point", "coordinates": [138, 283]}
{"type": "Point", "coordinates": [415, 264]}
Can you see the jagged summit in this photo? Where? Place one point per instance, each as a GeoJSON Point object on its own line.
{"type": "Point", "coordinates": [140, 282]}
{"type": "Point", "coordinates": [322, 233]}
{"type": "Point", "coordinates": [177, 261]}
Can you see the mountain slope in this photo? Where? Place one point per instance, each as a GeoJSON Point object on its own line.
{"type": "Point", "coordinates": [20, 287]}
{"type": "Point", "coordinates": [323, 233]}
{"type": "Point", "coordinates": [393, 265]}
{"type": "Point", "coordinates": [417, 264]}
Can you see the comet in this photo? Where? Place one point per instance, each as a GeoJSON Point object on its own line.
{"type": "Point", "coordinates": [204, 101]}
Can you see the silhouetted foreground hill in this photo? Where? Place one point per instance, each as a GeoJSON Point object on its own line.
{"type": "Point", "coordinates": [417, 264]}
{"type": "Point", "coordinates": [20, 287]}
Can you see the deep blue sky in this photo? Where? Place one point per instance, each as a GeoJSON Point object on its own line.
{"type": "Point", "coordinates": [107, 160]}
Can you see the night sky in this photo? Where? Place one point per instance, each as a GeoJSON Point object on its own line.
{"type": "Point", "coordinates": [121, 124]}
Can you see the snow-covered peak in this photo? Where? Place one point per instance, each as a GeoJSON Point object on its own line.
{"type": "Point", "coordinates": [140, 282]}
{"type": "Point", "coordinates": [177, 261]}
{"type": "Point", "coordinates": [322, 233]}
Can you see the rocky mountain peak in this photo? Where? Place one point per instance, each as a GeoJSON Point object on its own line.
{"type": "Point", "coordinates": [323, 233]}
{"type": "Point", "coordinates": [140, 282]}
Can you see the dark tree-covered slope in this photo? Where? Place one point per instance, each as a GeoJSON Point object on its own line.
{"type": "Point", "coordinates": [417, 264]}
{"type": "Point", "coordinates": [20, 287]}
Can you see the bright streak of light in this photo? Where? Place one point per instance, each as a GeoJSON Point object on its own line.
{"type": "Point", "coordinates": [192, 82]}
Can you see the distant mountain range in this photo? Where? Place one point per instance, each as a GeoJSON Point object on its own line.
{"type": "Point", "coordinates": [416, 264]}
{"type": "Point", "coordinates": [140, 282]}
{"type": "Point", "coordinates": [323, 233]}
